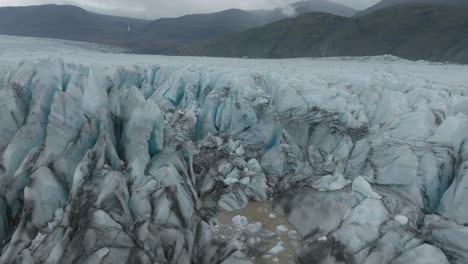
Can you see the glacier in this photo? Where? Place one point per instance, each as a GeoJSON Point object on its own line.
{"type": "Point", "coordinates": [120, 158]}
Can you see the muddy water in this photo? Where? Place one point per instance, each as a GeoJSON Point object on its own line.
{"type": "Point", "coordinates": [262, 212]}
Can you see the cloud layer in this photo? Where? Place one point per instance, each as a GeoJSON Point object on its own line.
{"type": "Point", "coordinates": [151, 9]}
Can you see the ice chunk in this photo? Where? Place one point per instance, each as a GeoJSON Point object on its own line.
{"type": "Point", "coordinates": [13, 100]}
{"type": "Point", "coordinates": [254, 228]}
{"type": "Point", "coordinates": [424, 254]}
{"type": "Point", "coordinates": [257, 188]}
{"type": "Point", "coordinates": [234, 174]}
{"type": "Point", "coordinates": [237, 258]}
{"type": "Point", "coordinates": [245, 181]}
{"type": "Point", "coordinates": [322, 239]}
{"type": "Point", "coordinates": [230, 181]}
{"type": "Point", "coordinates": [292, 234]}
{"type": "Point", "coordinates": [281, 228]}
{"type": "Point", "coordinates": [95, 95]}
{"type": "Point", "coordinates": [254, 166]}
{"type": "Point", "coordinates": [277, 249]}
{"type": "Point", "coordinates": [395, 164]}
{"type": "Point", "coordinates": [240, 221]}
{"type": "Point", "coordinates": [401, 219]}
{"type": "Point", "coordinates": [274, 161]}
{"type": "Point", "coordinates": [224, 168]}
{"type": "Point", "coordinates": [233, 145]}
{"type": "Point", "coordinates": [448, 236]}
{"type": "Point", "coordinates": [240, 151]}
{"type": "Point", "coordinates": [233, 200]}
{"type": "Point", "coordinates": [452, 131]}
{"type": "Point", "coordinates": [219, 141]}
{"type": "Point", "coordinates": [143, 133]}
{"type": "Point", "coordinates": [361, 186]}
{"type": "Point", "coordinates": [455, 197]}
{"type": "Point", "coordinates": [362, 225]}
{"type": "Point", "coordinates": [331, 183]}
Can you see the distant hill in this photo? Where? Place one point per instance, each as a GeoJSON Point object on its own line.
{"type": "Point", "coordinates": [161, 36]}
{"type": "Point", "coordinates": [67, 22]}
{"type": "Point", "coordinates": [390, 3]}
{"type": "Point", "coordinates": [409, 31]}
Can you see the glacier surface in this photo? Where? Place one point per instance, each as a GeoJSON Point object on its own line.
{"type": "Point", "coordinates": [118, 158]}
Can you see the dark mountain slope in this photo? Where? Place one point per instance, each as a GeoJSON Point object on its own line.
{"type": "Point", "coordinates": [169, 35]}
{"type": "Point", "coordinates": [390, 3]}
{"type": "Point", "coordinates": [410, 31]}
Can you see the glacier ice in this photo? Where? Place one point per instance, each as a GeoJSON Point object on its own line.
{"type": "Point", "coordinates": [115, 158]}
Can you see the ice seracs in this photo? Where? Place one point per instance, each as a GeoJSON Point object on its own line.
{"type": "Point", "coordinates": [123, 158]}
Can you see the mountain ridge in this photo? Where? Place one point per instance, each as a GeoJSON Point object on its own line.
{"type": "Point", "coordinates": [411, 31]}
{"type": "Point", "coordinates": [165, 35]}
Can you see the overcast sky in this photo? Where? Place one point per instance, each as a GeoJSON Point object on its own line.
{"type": "Point", "coordinates": [170, 8]}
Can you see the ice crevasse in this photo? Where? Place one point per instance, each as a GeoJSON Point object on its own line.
{"type": "Point", "coordinates": [131, 163]}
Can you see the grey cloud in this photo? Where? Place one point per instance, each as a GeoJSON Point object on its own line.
{"type": "Point", "coordinates": [151, 9]}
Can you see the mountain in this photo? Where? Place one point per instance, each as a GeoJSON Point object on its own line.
{"type": "Point", "coordinates": [169, 35]}
{"type": "Point", "coordinates": [67, 22]}
{"type": "Point", "coordinates": [389, 3]}
{"type": "Point", "coordinates": [165, 35]}
{"type": "Point", "coordinates": [409, 31]}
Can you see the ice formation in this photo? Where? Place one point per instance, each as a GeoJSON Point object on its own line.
{"type": "Point", "coordinates": [112, 158]}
